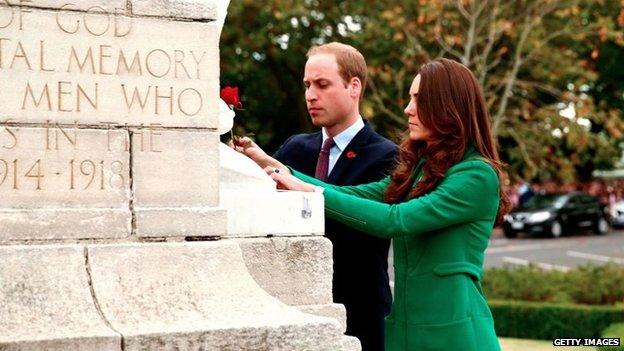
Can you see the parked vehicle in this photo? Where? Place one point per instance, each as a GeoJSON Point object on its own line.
{"type": "Point", "coordinates": [556, 215]}
{"type": "Point", "coordinates": [617, 214]}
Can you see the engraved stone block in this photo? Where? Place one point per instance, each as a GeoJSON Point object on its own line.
{"type": "Point", "coordinates": [64, 182]}
{"type": "Point", "coordinates": [175, 168]}
{"type": "Point", "coordinates": [97, 68]}
{"type": "Point", "coordinates": [180, 9]}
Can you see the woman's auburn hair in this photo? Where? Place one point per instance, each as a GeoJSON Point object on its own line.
{"type": "Point", "coordinates": [450, 104]}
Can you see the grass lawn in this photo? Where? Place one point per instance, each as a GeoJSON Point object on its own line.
{"type": "Point", "coordinates": [509, 344]}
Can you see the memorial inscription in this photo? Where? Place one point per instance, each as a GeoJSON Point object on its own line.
{"type": "Point", "coordinates": [65, 65]}
{"type": "Point", "coordinates": [108, 123]}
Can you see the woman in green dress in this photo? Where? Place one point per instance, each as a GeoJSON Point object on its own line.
{"type": "Point", "coordinates": [439, 206]}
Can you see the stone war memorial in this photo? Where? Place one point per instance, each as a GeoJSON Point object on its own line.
{"type": "Point", "coordinates": [124, 223]}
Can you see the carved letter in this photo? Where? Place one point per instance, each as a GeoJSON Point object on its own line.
{"type": "Point", "coordinates": [91, 11]}
{"type": "Point", "coordinates": [198, 61]}
{"type": "Point", "coordinates": [10, 9]}
{"type": "Point", "coordinates": [45, 93]}
{"type": "Point", "coordinates": [149, 63]}
{"type": "Point", "coordinates": [81, 91]}
{"type": "Point", "coordinates": [119, 13]}
{"type": "Point", "coordinates": [102, 57]}
{"type": "Point", "coordinates": [11, 133]}
{"type": "Point", "coordinates": [58, 20]}
{"type": "Point", "coordinates": [1, 39]}
{"type": "Point", "coordinates": [74, 56]}
{"type": "Point", "coordinates": [186, 110]}
{"type": "Point", "coordinates": [136, 96]}
{"type": "Point", "coordinates": [60, 94]}
{"type": "Point", "coordinates": [136, 63]}
{"type": "Point", "coordinates": [22, 54]}
{"type": "Point", "coordinates": [180, 60]}
{"type": "Point", "coordinates": [42, 58]}
{"type": "Point", "coordinates": [170, 97]}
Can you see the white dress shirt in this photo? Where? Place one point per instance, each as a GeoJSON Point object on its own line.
{"type": "Point", "coordinates": [341, 141]}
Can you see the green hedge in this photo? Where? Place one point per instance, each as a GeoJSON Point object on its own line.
{"type": "Point", "coordinates": [614, 331]}
{"type": "Point", "coordinates": [533, 320]}
{"type": "Point", "coordinates": [588, 284]}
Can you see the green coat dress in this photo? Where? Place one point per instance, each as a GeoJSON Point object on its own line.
{"type": "Point", "coordinates": [439, 241]}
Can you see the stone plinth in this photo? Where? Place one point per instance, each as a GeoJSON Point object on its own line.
{"type": "Point", "coordinates": [110, 161]}
{"type": "Point", "coordinates": [182, 296]}
{"type": "Point", "coordinates": [47, 303]}
{"type": "Point", "coordinates": [155, 306]}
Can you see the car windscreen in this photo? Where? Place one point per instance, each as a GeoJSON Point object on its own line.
{"type": "Point", "coordinates": [543, 201]}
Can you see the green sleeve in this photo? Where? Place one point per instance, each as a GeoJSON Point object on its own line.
{"type": "Point", "coordinates": [371, 191]}
{"type": "Point", "coordinates": [469, 192]}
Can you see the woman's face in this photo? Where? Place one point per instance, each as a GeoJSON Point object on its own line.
{"type": "Point", "coordinates": [417, 132]}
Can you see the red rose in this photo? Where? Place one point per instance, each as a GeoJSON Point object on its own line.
{"type": "Point", "coordinates": [230, 96]}
{"type": "Point", "coordinates": [351, 154]}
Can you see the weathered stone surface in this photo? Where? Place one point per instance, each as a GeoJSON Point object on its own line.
{"type": "Point", "coordinates": [178, 9]}
{"type": "Point", "coordinates": [168, 295]}
{"type": "Point", "coordinates": [175, 169]}
{"type": "Point", "coordinates": [61, 183]}
{"type": "Point", "coordinates": [182, 222]}
{"type": "Point", "coordinates": [66, 66]}
{"type": "Point", "coordinates": [295, 270]}
{"type": "Point", "coordinates": [283, 213]}
{"type": "Point", "coordinates": [46, 301]}
{"type": "Point", "coordinates": [92, 6]}
{"type": "Point", "coordinates": [331, 310]}
{"type": "Point", "coordinates": [47, 224]}
{"type": "Point", "coordinates": [239, 173]}
{"type": "Point", "coordinates": [255, 208]}
{"type": "Point", "coordinates": [63, 168]}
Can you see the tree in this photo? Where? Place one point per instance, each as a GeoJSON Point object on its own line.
{"type": "Point", "coordinates": [534, 58]}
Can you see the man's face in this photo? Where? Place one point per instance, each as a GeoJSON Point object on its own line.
{"type": "Point", "coordinates": [330, 100]}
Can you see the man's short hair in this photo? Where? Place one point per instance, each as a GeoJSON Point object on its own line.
{"type": "Point", "coordinates": [350, 61]}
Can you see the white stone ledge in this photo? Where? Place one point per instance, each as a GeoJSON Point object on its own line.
{"type": "Point", "coordinates": [180, 222]}
{"type": "Point", "coordinates": [331, 310]}
{"type": "Point", "coordinates": [53, 224]}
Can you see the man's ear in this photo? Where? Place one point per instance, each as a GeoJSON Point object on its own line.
{"type": "Point", "coordinates": [355, 86]}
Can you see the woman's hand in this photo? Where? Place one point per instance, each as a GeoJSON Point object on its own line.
{"type": "Point", "coordinates": [246, 146]}
{"type": "Point", "coordinates": [285, 180]}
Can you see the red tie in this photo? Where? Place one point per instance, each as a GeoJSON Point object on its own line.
{"type": "Point", "coordinates": [322, 165]}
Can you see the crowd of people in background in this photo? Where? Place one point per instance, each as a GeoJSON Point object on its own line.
{"type": "Point", "coordinates": [609, 191]}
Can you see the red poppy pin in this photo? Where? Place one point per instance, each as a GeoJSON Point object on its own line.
{"type": "Point", "coordinates": [351, 154]}
{"type": "Point", "coordinates": [230, 96]}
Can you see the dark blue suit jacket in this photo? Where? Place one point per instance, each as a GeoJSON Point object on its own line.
{"type": "Point", "coordinates": [360, 261]}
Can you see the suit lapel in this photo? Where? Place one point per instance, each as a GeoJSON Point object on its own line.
{"type": "Point", "coordinates": [350, 154]}
{"type": "Point", "coordinates": [308, 158]}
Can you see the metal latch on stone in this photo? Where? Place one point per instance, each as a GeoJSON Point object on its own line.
{"type": "Point", "coordinates": [306, 212]}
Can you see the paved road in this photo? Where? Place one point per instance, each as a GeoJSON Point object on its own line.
{"type": "Point", "coordinates": [561, 254]}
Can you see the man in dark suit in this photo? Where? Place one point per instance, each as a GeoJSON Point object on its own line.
{"type": "Point", "coordinates": [347, 151]}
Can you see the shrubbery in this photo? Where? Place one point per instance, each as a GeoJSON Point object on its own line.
{"type": "Point", "coordinates": [614, 331]}
{"type": "Point", "coordinates": [589, 284]}
{"type": "Point", "coordinates": [534, 320]}
{"type": "Point", "coordinates": [529, 302]}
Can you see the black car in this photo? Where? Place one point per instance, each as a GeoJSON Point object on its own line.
{"type": "Point", "coordinates": [556, 215]}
